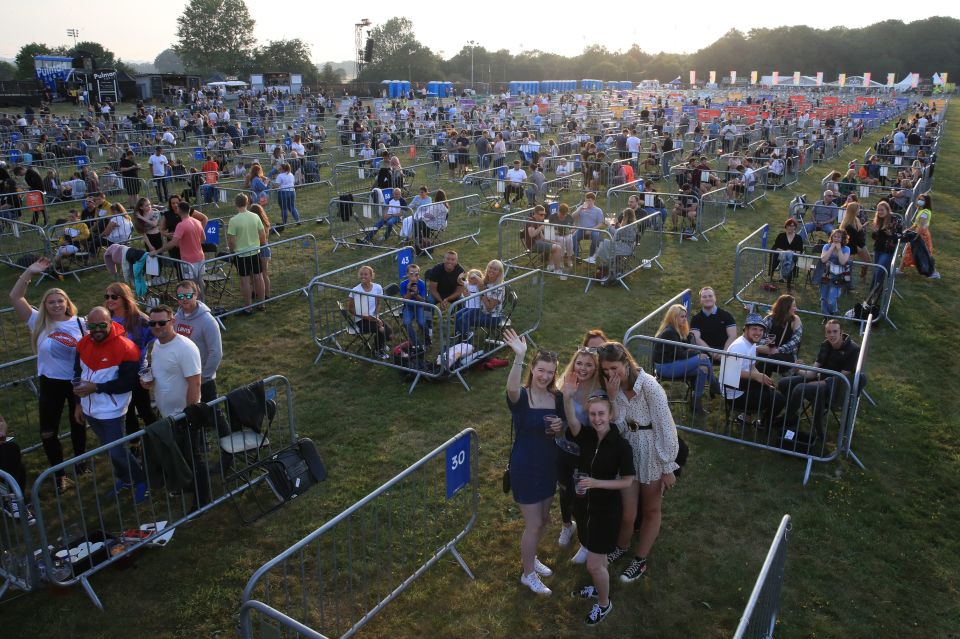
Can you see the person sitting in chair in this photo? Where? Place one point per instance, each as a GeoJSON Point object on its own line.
{"type": "Point", "coordinates": [744, 385]}
{"type": "Point", "coordinates": [837, 353]}
{"type": "Point", "coordinates": [678, 362]}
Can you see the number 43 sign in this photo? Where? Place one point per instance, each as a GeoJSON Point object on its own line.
{"type": "Point", "coordinates": [458, 465]}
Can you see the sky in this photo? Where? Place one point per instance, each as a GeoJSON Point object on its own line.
{"type": "Point", "coordinates": [137, 32]}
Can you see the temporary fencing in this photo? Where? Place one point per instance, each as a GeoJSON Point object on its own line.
{"type": "Point", "coordinates": [21, 244]}
{"type": "Point", "coordinates": [756, 284]}
{"type": "Point", "coordinates": [15, 338]}
{"type": "Point", "coordinates": [18, 565]}
{"type": "Point", "coordinates": [713, 212]}
{"type": "Point", "coordinates": [337, 578]}
{"type": "Point", "coordinates": [94, 525]}
{"type": "Point", "coordinates": [292, 263]}
{"type": "Point", "coordinates": [805, 416]}
{"type": "Point", "coordinates": [759, 619]}
{"type": "Point", "coordinates": [426, 341]}
{"type": "Point", "coordinates": [360, 175]}
{"type": "Point", "coordinates": [615, 251]}
{"type": "Point", "coordinates": [675, 206]}
{"type": "Point", "coordinates": [494, 190]}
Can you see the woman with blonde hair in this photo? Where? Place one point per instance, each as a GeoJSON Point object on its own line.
{"type": "Point", "coordinates": [921, 226]}
{"type": "Point", "coordinates": [581, 378]}
{"type": "Point", "coordinates": [680, 362]}
{"type": "Point", "coordinates": [856, 236]}
{"type": "Point", "coordinates": [258, 183]}
{"type": "Point", "coordinates": [55, 329]}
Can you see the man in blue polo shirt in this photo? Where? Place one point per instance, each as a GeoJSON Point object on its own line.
{"type": "Point", "coordinates": [589, 219]}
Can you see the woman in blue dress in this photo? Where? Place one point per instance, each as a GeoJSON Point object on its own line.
{"type": "Point", "coordinates": [533, 458]}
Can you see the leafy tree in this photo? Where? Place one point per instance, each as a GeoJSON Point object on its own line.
{"type": "Point", "coordinates": [167, 61]}
{"type": "Point", "coordinates": [215, 35]}
{"type": "Point", "coordinates": [7, 71]}
{"type": "Point", "coordinates": [105, 58]}
{"type": "Point", "coordinates": [397, 54]}
{"type": "Point", "coordinates": [292, 56]}
{"type": "Point", "coordinates": [329, 75]}
{"type": "Point", "coordinates": [24, 59]}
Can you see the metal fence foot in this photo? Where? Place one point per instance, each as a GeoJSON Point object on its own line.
{"type": "Point", "coordinates": [463, 564]}
{"type": "Point", "coordinates": [657, 262]}
{"type": "Point", "coordinates": [897, 293]}
{"type": "Point", "coordinates": [414, 384]}
{"type": "Point", "coordinates": [90, 593]}
{"type": "Point", "coordinates": [463, 381]}
{"type": "Point", "coordinates": [319, 355]}
{"type": "Point", "coordinates": [856, 460]}
{"type": "Point", "coordinates": [890, 322]}
{"type": "Point", "coordinates": [473, 238]}
{"type": "Point", "coordinates": [624, 284]}
{"type": "Point", "coordinates": [806, 472]}
{"type": "Point", "coordinates": [867, 396]}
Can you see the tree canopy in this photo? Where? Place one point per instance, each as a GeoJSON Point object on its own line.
{"type": "Point", "coordinates": [215, 35]}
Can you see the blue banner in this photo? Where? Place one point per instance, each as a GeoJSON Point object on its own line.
{"type": "Point", "coordinates": [458, 465]}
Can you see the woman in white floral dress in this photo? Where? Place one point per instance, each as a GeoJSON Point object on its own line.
{"type": "Point", "coordinates": [644, 419]}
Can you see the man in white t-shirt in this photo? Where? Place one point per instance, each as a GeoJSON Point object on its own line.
{"type": "Point", "coordinates": [174, 363]}
{"type": "Point", "coordinates": [158, 170]}
{"type": "Point", "coordinates": [515, 179]}
{"type": "Point", "coordinates": [744, 385]}
{"type": "Point", "coordinates": [168, 137]}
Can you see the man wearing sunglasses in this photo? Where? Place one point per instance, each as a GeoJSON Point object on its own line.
{"type": "Point", "coordinates": [194, 321]}
{"type": "Point", "coordinates": [106, 366]}
{"type": "Point", "coordinates": [175, 364]}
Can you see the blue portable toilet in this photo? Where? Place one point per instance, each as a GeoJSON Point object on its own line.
{"type": "Point", "coordinates": [447, 89]}
{"type": "Point", "coordinates": [406, 87]}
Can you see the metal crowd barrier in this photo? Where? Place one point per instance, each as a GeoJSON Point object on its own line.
{"type": "Point", "coordinates": [352, 220]}
{"type": "Point", "coordinates": [294, 261]}
{"type": "Point", "coordinates": [759, 619]}
{"type": "Point", "coordinates": [18, 402]}
{"type": "Point", "coordinates": [21, 244]}
{"type": "Point", "coordinates": [618, 198]}
{"type": "Point", "coordinates": [337, 578]}
{"type": "Point", "coordinates": [755, 283]}
{"type": "Point", "coordinates": [88, 528]}
{"type": "Point", "coordinates": [15, 339]}
{"type": "Point", "coordinates": [18, 565]}
{"type": "Point", "coordinates": [440, 349]}
{"type": "Point", "coordinates": [617, 256]}
{"type": "Point", "coordinates": [359, 175]}
{"type": "Point", "coordinates": [798, 419]}
{"type": "Point", "coordinates": [713, 212]}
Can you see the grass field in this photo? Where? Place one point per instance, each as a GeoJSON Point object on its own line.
{"type": "Point", "coordinates": [872, 553]}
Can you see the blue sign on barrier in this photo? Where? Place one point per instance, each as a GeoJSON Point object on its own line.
{"type": "Point", "coordinates": [404, 259]}
{"type": "Point", "coordinates": [82, 161]}
{"type": "Point", "coordinates": [198, 153]}
{"type": "Point", "coordinates": [685, 300]}
{"type": "Point", "coordinates": [764, 236]}
{"type": "Point", "coordinates": [212, 231]}
{"type": "Point", "coordinates": [458, 465]}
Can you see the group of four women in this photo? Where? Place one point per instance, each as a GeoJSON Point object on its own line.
{"type": "Point", "coordinates": [618, 449]}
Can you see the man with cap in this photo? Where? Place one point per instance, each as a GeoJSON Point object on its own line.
{"type": "Point", "coordinates": [744, 385]}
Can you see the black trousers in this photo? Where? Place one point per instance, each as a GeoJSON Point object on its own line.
{"type": "Point", "coordinates": [53, 394]}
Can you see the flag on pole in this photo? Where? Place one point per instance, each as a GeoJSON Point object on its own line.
{"type": "Point", "coordinates": [733, 77]}
{"type": "Point", "coordinates": [842, 80]}
{"type": "Point", "coordinates": [776, 77]}
{"type": "Point", "coordinates": [819, 78]}
{"type": "Point", "coordinates": [891, 79]}
{"type": "Point", "coordinates": [713, 77]}
{"type": "Point", "coordinates": [693, 77]}
{"type": "Point", "coordinates": [753, 77]}
{"type": "Point", "coordinates": [796, 78]}
{"type": "Point", "coordinates": [866, 79]}
{"type": "Point", "coordinates": [914, 80]}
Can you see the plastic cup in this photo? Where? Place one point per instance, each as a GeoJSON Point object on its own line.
{"type": "Point", "coordinates": [577, 476]}
{"type": "Point", "coordinates": [548, 424]}
{"type": "Point", "coordinates": [146, 375]}
{"type": "Point", "coordinates": [76, 381]}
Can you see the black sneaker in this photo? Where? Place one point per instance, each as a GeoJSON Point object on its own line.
{"type": "Point", "coordinates": [636, 569]}
{"type": "Point", "coordinates": [587, 592]}
{"type": "Point", "coordinates": [598, 613]}
{"type": "Point", "coordinates": [616, 554]}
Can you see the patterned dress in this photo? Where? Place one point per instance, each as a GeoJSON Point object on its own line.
{"type": "Point", "coordinates": [654, 450]}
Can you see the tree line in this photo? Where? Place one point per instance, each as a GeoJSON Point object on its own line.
{"type": "Point", "coordinates": [216, 36]}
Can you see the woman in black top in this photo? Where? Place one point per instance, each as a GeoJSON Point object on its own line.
{"type": "Point", "coordinates": [856, 236]}
{"type": "Point", "coordinates": [604, 467]}
{"type": "Point", "coordinates": [786, 243]}
{"type": "Point", "coordinates": [679, 362]}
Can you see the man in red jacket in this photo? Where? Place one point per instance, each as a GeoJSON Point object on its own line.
{"type": "Point", "coordinates": [107, 364]}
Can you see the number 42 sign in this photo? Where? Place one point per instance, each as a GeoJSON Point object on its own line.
{"type": "Point", "coordinates": [458, 465]}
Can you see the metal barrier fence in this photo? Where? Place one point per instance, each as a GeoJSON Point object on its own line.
{"type": "Point", "coordinates": [759, 619]}
{"type": "Point", "coordinates": [359, 175]}
{"type": "Point", "coordinates": [713, 212]}
{"type": "Point", "coordinates": [337, 578]}
{"type": "Point", "coordinates": [94, 525]}
{"type": "Point", "coordinates": [310, 201]}
{"type": "Point", "coordinates": [21, 244]}
{"type": "Point", "coordinates": [675, 206]}
{"type": "Point", "coordinates": [491, 185]}
{"type": "Point", "coordinates": [293, 262]}
{"type": "Point", "coordinates": [615, 252]}
{"type": "Point", "coordinates": [15, 338]}
{"type": "Point", "coordinates": [18, 566]}
{"type": "Point", "coordinates": [420, 339]}
{"type": "Point", "coordinates": [18, 402]}
{"type": "Point", "coordinates": [797, 417]}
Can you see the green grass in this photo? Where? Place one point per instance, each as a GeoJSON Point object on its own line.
{"type": "Point", "coordinates": [872, 553]}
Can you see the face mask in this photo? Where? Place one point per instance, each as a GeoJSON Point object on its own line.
{"type": "Point", "coordinates": [921, 203]}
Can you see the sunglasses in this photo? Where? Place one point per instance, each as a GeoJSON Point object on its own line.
{"type": "Point", "coordinates": [111, 296]}
{"type": "Point", "coordinates": [547, 355]}
{"type": "Point", "coordinates": [153, 323]}
{"type": "Point", "coordinates": [98, 326]}
{"type": "Point", "coordinates": [611, 350]}
{"type": "Point", "coordinates": [599, 393]}
{"type": "Point", "coordinates": [588, 349]}
{"type": "Point", "coordinates": [184, 296]}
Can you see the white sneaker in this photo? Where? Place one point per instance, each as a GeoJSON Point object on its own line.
{"type": "Point", "coordinates": [550, 268]}
{"type": "Point", "coordinates": [591, 260]}
{"type": "Point", "coordinates": [646, 264]}
{"type": "Point", "coordinates": [566, 534]}
{"type": "Point", "coordinates": [532, 581]}
{"type": "Point", "coordinates": [563, 276]}
{"type": "Point", "coordinates": [935, 276]}
{"type": "Point", "coordinates": [541, 569]}
{"type": "Point", "coordinates": [580, 557]}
